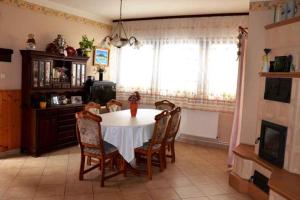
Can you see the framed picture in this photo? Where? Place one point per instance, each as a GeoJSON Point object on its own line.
{"type": "Point", "coordinates": [101, 56]}
{"type": "Point", "coordinates": [76, 100]}
{"type": "Point", "coordinates": [55, 100]}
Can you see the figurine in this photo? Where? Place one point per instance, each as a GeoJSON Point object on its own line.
{"type": "Point", "coordinates": [30, 42]}
{"type": "Point", "coordinates": [60, 44]}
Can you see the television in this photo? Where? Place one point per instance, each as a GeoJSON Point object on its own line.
{"type": "Point", "coordinates": [102, 91]}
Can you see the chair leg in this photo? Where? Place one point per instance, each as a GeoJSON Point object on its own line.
{"type": "Point", "coordinates": [102, 166]}
{"type": "Point", "coordinates": [165, 157]}
{"type": "Point", "coordinates": [173, 152]}
{"type": "Point", "coordinates": [161, 160]}
{"type": "Point", "coordinates": [89, 161]}
{"type": "Point", "coordinates": [81, 170]}
{"type": "Point", "coordinates": [149, 166]}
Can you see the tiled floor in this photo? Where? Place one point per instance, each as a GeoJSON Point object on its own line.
{"type": "Point", "coordinates": [198, 174]}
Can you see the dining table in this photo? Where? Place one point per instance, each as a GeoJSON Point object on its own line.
{"type": "Point", "coordinates": [127, 133]}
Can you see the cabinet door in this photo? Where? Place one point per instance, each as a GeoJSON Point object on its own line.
{"type": "Point", "coordinates": [73, 75]}
{"type": "Point", "coordinates": [78, 75]}
{"type": "Point", "coordinates": [46, 129]}
{"type": "Point", "coordinates": [41, 70]}
{"type": "Point", "coordinates": [48, 74]}
{"type": "Point", "coordinates": [35, 74]}
{"type": "Point", "coordinates": [41, 73]}
{"type": "Point", "coordinates": [82, 74]}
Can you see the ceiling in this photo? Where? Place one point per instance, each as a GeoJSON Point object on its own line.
{"type": "Point", "coordinates": [107, 10]}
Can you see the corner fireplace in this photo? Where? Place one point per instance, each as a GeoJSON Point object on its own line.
{"type": "Point", "coordinates": [272, 143]}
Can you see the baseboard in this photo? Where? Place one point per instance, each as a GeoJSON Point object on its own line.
{"type": "Point", "coordinates": [9, 153]}
{"type": "Point", "coordinates": [191, 139]}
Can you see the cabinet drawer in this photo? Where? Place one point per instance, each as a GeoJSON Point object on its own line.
{"type": "Point", "coordinates": [64, 136]}
{"type": "Point", "coordinates": [63, 122]}
{"type": "Point", "coordinates": [47, 113]}
{"type": "Point", "coordinates": [70, 127]}
{"type": "Point", "coordinates": [66, 111]}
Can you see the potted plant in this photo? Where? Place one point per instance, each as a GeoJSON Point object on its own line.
{"type": "Point", "coordinates": [86, 46]}
{"type": "Point", "coordinates": [133, 99]}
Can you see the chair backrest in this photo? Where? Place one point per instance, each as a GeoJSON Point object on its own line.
{"type": "Point", "coordinates": [174, 123]}
{"type": "Point", "coordinates": [93, 107]}
{"type": "Point", "coordinates": [159, 132]}
{"type": "Point", "coordinates": [88, 130]}
{"type": "Point", "coordinates": [113, 105]}
{"type": "Point", "coordinates": [164, 105]}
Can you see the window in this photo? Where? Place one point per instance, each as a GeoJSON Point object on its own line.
{"type": "Point", "coordinates": [185, 68]}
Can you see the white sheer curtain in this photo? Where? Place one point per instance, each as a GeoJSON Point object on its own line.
{"type": "Point", "coordinates": [189, 61]}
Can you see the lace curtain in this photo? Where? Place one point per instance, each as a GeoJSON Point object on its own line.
{"type": "Point", "coordinates": [192, 62]}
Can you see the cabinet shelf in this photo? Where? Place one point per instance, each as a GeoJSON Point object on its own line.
{"type": "Point", "coordinates": [280, 74]}
{"type": "Point", "coordinates": [283, 23]}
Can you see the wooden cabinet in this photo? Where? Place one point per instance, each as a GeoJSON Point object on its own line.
{"type": "Point", "coordinates": [47, 75]}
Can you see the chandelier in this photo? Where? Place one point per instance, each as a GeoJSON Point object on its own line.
{"type": "Point", "coordinates": [116, 38]}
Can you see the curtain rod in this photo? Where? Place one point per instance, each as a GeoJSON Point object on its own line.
{"type": "Point", "coordinates": [185, 16]}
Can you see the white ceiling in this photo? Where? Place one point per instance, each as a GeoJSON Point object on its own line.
{"type": "Point", "coordinates": [107, 10]}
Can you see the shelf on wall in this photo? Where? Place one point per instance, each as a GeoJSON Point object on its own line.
{"type": "Point", "coordinates": [283, 23]}
{"type": "Point", "coordinates": [280, 74]}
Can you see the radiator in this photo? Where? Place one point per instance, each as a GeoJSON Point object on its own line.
{"type": "Point", "coordinates": [199, 123]}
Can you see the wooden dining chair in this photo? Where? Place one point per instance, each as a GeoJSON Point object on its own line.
{"type": "Point", "coordinates": [154, 146]}
{"type": "Point", "coordinates": [93, 107]}
{"type": "Point", "coordinates": [172, 130]}
{"type": "Point", "coordinates": [88, 130]}
{"type": "Point", "coordinates": [113, 105]}
{"type": "Point", "coordinates": [164, 105]}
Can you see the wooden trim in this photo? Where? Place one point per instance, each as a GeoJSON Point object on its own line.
{"type": "Point", "coordinates": [283, 23]}
{"type": "Point", "coordinates": [281, 181]}
{"type": "Point", "coordinates": [185, 16]}
{"type": "Point", "coordinates": [280, 74]}
{"type": "Point", "coordinates": [241, 185]}
{"type": "Point", "coordinates": [244, 186]}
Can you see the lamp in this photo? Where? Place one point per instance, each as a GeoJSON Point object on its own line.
{"type": "Point", "coordinates": [116, 38]}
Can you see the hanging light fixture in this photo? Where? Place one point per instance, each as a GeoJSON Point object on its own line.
{"type": "Point", "coordinates": [116, 38]}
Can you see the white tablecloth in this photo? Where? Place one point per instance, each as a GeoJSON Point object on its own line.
{"type": "Point", "coordinates": [126, 132]}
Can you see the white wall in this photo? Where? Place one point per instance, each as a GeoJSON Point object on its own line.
{"type": "Point", "coordinates": [256, 44]}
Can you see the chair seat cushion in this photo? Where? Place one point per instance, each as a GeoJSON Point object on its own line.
{"type": "Point", "coordinates": [146, 146]}
{"type": "Point", "coordinates": [108, 148]}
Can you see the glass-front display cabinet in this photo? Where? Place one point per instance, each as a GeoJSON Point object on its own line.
{"type": "Point", "coordinates": [49, 83]}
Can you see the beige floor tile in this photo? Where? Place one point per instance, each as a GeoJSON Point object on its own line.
{"type": "Point", "coordinates": [26, 181]}
{"type": "Point", "coordinates": [109, 188]}
{"type": "Point", "coordinates": [197, 171]}
{"type": "Point", "coordinates": [79, 188]}
{"type": "Point", "coordinates": [50, 190]}
{"type": "Point", "coordinates": [214, 189]}
{"type": "Point", "coordinates": [55, 170]}
{"type": "Point", "coordinates": [19, 192]}
{"type": "Point", "coordinates": [134, 188]}
{"type": "Point", "coordinates": [53, 180]}
{"type": "Point", "coordinates": [137, 196]}
{"type": "Point", "coordinates": [31, 171]}
{"type": "Point", "coordinates": [179, 181]}
{"type": "Point", "coordinates": [61, 197]}
{"type": "Point", "coordinates": [197, 198]}
{"type": "Point", "coordinates": [164, 194]}
{"type": "Point", "coordinates": [157, 184]}
{"type": "Point", "coordinates": [108, 196]}
{"type": "Point", "coordinates": [188, 192]}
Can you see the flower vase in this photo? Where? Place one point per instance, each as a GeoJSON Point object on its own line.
{"type": "Point", "coordinates": [133, 108]}
{"type": "Point", "coordinates": [100, 76]}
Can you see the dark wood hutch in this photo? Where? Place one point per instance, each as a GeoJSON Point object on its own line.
{"type": "Point", "coordinates": [44, 76]}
